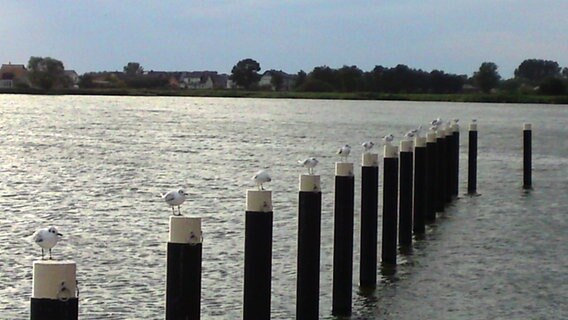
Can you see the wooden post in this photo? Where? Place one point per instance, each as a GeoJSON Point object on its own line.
{"type": "Point", "coordinates": [527, 156]}
{"type": "Point", "coordinates": [472, 160]}
{"type": "Point", "coordinates": [369, 220]}
{"type": "Point", "coordinates": [309, 235]}
{"type": "Point", "coordinates": [258, 255]}
{"type": "Point", "coordinates": [405, 194]}
{"type": "Point", "coordinates": [54, 294]}
{"type": "Point", "coordinates": [420, 190]}
{"type": "Point", "coordinates": [390, 205]}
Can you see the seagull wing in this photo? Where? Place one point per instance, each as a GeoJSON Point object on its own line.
{"type": "Point", "coordinates": [38, 238]}
{"type": "Point", "coordinates": [169, 197]}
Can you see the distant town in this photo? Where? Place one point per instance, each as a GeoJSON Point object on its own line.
{"type": "Point", "coordinates": [532, 77]}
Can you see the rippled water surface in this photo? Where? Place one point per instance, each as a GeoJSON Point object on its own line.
{"type": "Point", "coordinates": [94, 166]}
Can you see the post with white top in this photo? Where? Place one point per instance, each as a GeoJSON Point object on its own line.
{"type": "Point", "coordinates": [343, 239]}
{"type": "Point", "coordinates": [258, 255]}
{"type": "Point", "coordinates": [432, 184]}
{"type": "Point", "coordinates": [527, 156]}
{"type": "Point", "coordinates": [455, 159]}
{"type": "Point", "coordinates": [441, 169]}
{"type": "Point", "coordinates": [369, 220]}
{"type": "Point", "coordinates": [54, 294]}
{"type": "Point", "coordinates": [405, 194]}
{"type": "Point", "coordinates": [472, 160]}
{"type": "Point", "coordinates": [448, 165]}
{"type": "Point", "coordinates": [183, 268]}
{"type": "Point", "coordinates": [309, 231]}
{"type": "Point", "coordinates": [420, 190]}
{"type": "Point", "coordinates": [390, 205]}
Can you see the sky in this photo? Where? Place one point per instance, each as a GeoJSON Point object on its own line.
{"type": "Point", "coordinates": [455, 36]}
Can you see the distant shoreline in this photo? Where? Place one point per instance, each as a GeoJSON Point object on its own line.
{"type": "Point", "coordinates": [454, 97]}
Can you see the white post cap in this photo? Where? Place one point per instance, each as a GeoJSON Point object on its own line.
{"type": "Point", "coordinates": [406, 146]}
{"type": "Point", "coordinates": [527, 126]}
{"type": "Point", "coordinates": [185, 230]}
{"type": "Point", "coordinates": [455, 127]}
{"type": "Point", "coordinates": [370, 160]}
{"type": "Point", "coordinates": [473, 126]}
{"type": "Point", "coordinates": [390, 151]}
{"type": "Point", "coordinates": [54, 280]}
{"type": "Point", "coordinates": [448, 132]}
{"type": "Point", "coordinates": [440, 133]}
{"type": "Point", "coordinates": [431, 137]}
{"type": "Point", "coordinates": [344, 169]}
{"type": "Point", "coordinates": [309, 183]}
{"type": "Point", "coordinates": [419, 142]}
{"type": "Point", "coordinates": [259, 200]}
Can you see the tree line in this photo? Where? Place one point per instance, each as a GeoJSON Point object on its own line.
{"type": "Point", "coordinates": [532, 75]}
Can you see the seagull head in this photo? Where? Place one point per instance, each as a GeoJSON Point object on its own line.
{"type": "Point", "coordinates": [54, 231]}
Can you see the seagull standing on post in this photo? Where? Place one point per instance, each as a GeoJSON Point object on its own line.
{"type": "Point", "coordinates": [310, 164]}
{"type": "Point", "coordinates": [47, 238]}
{"type": "Point", "coordinates": [367, 146]}
{"type": "Point", "coordinates": [175, 198]}
{"type": "Point", "coordinates": [260, 178]}
{"type": "Point", "coordinates": [344, 152]}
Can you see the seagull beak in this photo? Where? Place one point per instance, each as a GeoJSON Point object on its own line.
{"type": "Point", "coordinates": [59, 234]}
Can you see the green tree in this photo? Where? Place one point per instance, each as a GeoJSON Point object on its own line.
{"type": "Point", "coordinates": [300, 79]}
{"type": "Point", "coordinates": [277, 79]}
{"type": "Point", "coordinates": [47, 73]}
{"type": "Point", "coordinates": [552, 86]}
{"type": "Point", "coordinates": [245, 73]}
{"type": "Point", "coordinates": [350, 78]}
{"type": "Point", "coordinates": [487, 77]}
{"type": "Point", "coordinates": [133, 69]}
{"type": "Point", "coordinates": [536, 70]}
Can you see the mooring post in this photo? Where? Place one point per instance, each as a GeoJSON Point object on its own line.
{"type": "Point", "coordinates": [448, 164]}
{"type": "Point", "coordinates": [472, 160]}
{"type": "Point", "coordinates": [258, 255]}
{"type": "Point", "coordinates": [405, 195]}
{"type": "Point", "coordinates": [309, 231]}
{"type": "Point", "coordinates": [183, 268]}
{"type": "Point", "coordinates": [455, 159]}
{"type": "Point", "coordinates": [420, 190]}
{"type": "Point", "coordinates": [390, 205]}
{"type": "Point", "coordinates": [343, 239]}
{"type": "Point", "coordinates": [369, 220]}
{"type": "Point", "coordinates": [54, 294]}
{"type": "Point", "coordinates": [441, 168]}
{"type": "Point", "coordinates": [527, 156]}
{"type": "Point", "coordinates": [432, 183]}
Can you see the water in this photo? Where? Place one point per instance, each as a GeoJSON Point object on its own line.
{"type": "Point", "coordinates": [94, 166]}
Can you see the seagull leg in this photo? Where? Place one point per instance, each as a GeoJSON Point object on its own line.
{"type": "Point", "coordinates": [173, 211]}
{"type": "Point", "coordinates": [179, 211]}
{"type": "Point", "coordinates": [50, 254]}
{"type": "Point", "coordinates": [42, 254]}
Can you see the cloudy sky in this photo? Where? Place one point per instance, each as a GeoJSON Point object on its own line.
{"type": "Point", "coordinates": [455, 36]}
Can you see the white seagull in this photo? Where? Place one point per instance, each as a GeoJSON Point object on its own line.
{"type": "Point", "coordinates": [410, 134]}
{"type": "Point", "coordinates": [310, 164]}
{"type": "Point", "coordinates": [436, 122]}
{"type": "Point", "coordinates": [175, 198]}
{"type": "Point", "coordinates": [344, 152]}
{"type": "Point", "coordinates": [47, 238]}
{"type": "Point", "coordinates": [260, 178]}
{"type": "Point", "coordinates": [367, 146]}
{"type": "Point", "coordinates": [388, 139]}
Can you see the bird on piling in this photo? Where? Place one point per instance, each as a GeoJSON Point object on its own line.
{"type": "Point", "coordinates": [175, 198]}
{"type": "Point", "coordinates": [437, 122]}
{"type": "Point", "coordinates": [367, 146]}
{"type": "Point", "coordinates": [47, 238]}
{"type": "Point", "coordinates": [409, 136]}
{"type": "Point", "coordinates": [310, 164]}
{"type": "Point", "coordinates": [260, 178]}
{"type": "Point", "coordinates": [344, 152]}
{"type": "Point", "coordinates": [388, 139]}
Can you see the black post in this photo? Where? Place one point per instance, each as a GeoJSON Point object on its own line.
{"type": "Point", "coordinates": [405, 195]}
{"type": "Point", "coordinates": [309, 231]}
{"type": "Point", "coordinates": [472, 160]}
{"type": "Point", "coordinates": [343, 239]}
{"type": "Point", "coordinates": [369, 220]}
{"type": "Point", "coordinates": [54, 293]}
{"type": "Point", "coordinates": [390, 206]}
{"type": "Point", "coordinates": [448, 165]}
{"type": "Point", "coordinates": [183, 269]}
{"type": "Point", "coordinates": [527, 156]}
{"type": "Point", "coordinates": [258, 255]}
{"type": "Point", "coordinates": [456, 160]}
{"type": "Point", "coordinates": [441, 169]}
{"type": "Point", "coordinates": [432, 183]}
{"type": "Point", "coordinates": [420, 189]}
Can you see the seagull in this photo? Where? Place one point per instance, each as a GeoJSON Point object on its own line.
{"type": "Point", "coordinates": [310, 164]}
{"type": "Point", "coordinates": [410, 134]}
{"type": "Point", "coordinates": [46, 238]}
{"type": "Point", "coordinates": [175, 198]}
{"type": "Point", "coordinates": [344, 152]}
{"type": "Point", "coordinates": [388, 139]}
{"type": "Point", "coordinates": [456, 120]}
{"type": "Point", "coordinates": [436, 122]}
{"type": "Point", "coordinates": [261, 177]}
{"type": "Point", "coordinates": [368, 145]}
